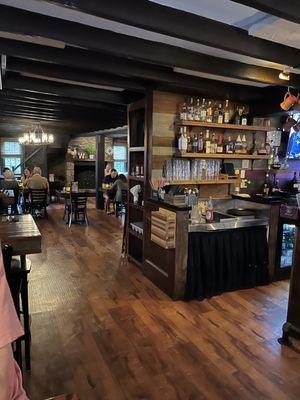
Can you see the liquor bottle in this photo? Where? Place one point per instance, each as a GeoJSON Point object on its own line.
{"type": "Point", "coordinates": [238, 145]}
{"type": "Point", "coordinates": [226, 113]}
{"type": "Point", "coordinates": [209, 113]}
{"type": "Point", "coordinates": [213, 145]}
{"type": "Point", "coordinates": [200, 143]}
{"type": "Point", "coordinates": [203, 111]}
{"type": "Point", "coordinates": [197, 110]}
{"type": "Point", "coordinates": [182, 140]}
{"type": "Point", "coordinates": [207, 142]}
{"type": "Point", "coordinates": [243, 117]}
{"type": "Point", "coordinates": [215, 113]}
{"type": "Point", "coordinates": [190, 109]}
{"type": "Point", "coordinates": [195, 143]}
{"type": "Point", "coordinates": [244, 145]}
{"type": "Point", "coordinates": [237, 116]}
{"type": "Point", "coordinates": [229, 146]}
{"type": "Point", "coordinates": [209, 214]}
{"type": "Point", "coordinates": [294, 184]}
{"type": "Point", "coordinates": [220, 145]}
{"type": "Point", "coordinates": [183, 111]}
{"type": "Point", "coordinates": [189, 143]}
{"type": "Point", "coordinates": [220, 115]}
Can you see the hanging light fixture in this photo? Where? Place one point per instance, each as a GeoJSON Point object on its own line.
{"type": "Point", "coordinates": [285, 74]}
{"type": "Point", "coordinates": [36, 136]}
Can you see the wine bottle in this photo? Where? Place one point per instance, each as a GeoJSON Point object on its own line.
{"type": "Point", "coordinates": [220, 115]}
{"type": "Point", "coordinates": [243, 117]}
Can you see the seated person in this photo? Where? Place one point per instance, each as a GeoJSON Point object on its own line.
{"type": "Point", "coordinates": [37, 181]}
{"type": "Point", "coordinates": [108, 169]}
{"type": "Point", "coordinates": [9, 182]}
{"type": "Point", "coordinates": [10, 374]}
{"type": "Point", "coordinates": [119, 185]}
{"type": "Point", "coordinates": [109, 195]}
{"type": "Point", "coordinates": [26, 175]}
{"type": "Point", "coordinates": [112, 177]}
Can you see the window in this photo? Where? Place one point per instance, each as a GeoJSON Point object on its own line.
{"type": "Point", "coordinates": [11, 155]}
{"type": "Point", "coordinates": [120, 159]}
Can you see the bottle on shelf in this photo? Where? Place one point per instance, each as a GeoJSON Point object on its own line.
{"type": "Point", "coordinates": [229, 146]}
{"type": "Point", "coordinates": [220, 114]}
{"type": "Point", "coordinates": [183, 111]}
{"type": "Point", "coordinates": [209, 113]}
{"type": "Point", "coordinates": [244, 144]}
{"type": "Point", "coordinates": [215, 113]}
{"type": "Point", "coordinates": [220, 144]}
{"type": "Point", "coordinates": [137, 170]}
{"type": "Point", "coordinates": [195, 143]}
{"type": "Point", "coordinates": [197, 110]}
{"type": "Point", "coordinates": [182, 140]}
{"type": "Point", "coordinates": [238, 145]}
{"type": "Point", "coordinates": [142, 170]}
{"type": "Point", "coordinates": [243, 117]}
{"type": "Point", "coordinates": [189, 143]}
{"type": "Point", "coordinates": [207, 142]}
{"type": "Point", "coordinates": [203, 111]}
{"type": "Point", "coordinates": [190, 109]}
{"type": "Point", "coordinates": [200, 143]}
{"type": "Point", "coordinates": [227, 112]}
{"type": "Point", "coordinates": [213, 144]}
{"type": "Point", "coordinates": [237, 116]}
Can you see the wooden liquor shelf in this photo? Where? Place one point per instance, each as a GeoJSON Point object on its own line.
{"type": "Point", "coordinates": [227, 126]}
{"type": "Point", "coordinates": [223, 156]}
{"type": "Point", "coordinates": [204, 182]}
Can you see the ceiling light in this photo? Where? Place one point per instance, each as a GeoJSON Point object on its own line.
{"type": "Point", "coordinates": [36, 136]}
{"type": "Point", "coordinates": [285, 74]}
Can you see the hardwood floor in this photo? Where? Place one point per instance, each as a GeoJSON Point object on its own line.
{"type": "Point", "coordinates": [103, 331]}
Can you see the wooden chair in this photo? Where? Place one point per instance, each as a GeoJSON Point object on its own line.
{"type": "Point", "coordinates": [38, 201]}
{"type": "Point", "coordinates": [17, 278]}
{"type": "Point", "coordinates": [120, 206]}
{"type": "Point", "coordinates": [76, 208]}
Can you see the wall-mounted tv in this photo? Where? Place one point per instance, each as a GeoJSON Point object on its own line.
{"type": "Point", "coordinates": [293, 147]}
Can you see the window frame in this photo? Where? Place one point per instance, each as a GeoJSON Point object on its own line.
{"type": "Point", "coordinates": [4, 155]}
{"type": "Point", "coordinates": [121, 160]}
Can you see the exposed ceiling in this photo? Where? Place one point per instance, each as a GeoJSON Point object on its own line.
{"type": "Point", "coordinates": [74, 65]}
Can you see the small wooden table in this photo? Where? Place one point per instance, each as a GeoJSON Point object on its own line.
{"type": "Point", "coordinates": [23, 235]}
{"type": "Point", "coordinates": [88, 192]}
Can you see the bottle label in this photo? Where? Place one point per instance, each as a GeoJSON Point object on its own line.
{"type": "Point", "coordinates": [209, 215]}
{"type": "Point", "coordinates": [244, 121]}
{"type": "Point", "coordinates": [202, 115]}
{"type": "Point", "coordinates": [220, 119]}
{"type": "Point", "coordinates": [183, 116]}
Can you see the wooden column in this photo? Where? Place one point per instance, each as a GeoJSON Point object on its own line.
{"type": "Point", "coordinates": [100, 161]}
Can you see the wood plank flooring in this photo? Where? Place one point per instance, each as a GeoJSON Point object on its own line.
{"type": "Point", "coordinates": [103, 331]}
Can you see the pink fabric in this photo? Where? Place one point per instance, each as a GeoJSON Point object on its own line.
{"type": "Point", "coordinates": [10, 330]}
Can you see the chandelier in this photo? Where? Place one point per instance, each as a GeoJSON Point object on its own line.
{"type": "Point", "coordinates": [36, 136]}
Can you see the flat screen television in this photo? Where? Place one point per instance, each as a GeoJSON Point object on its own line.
{"type": "Point", "coordinates": [293, 146]}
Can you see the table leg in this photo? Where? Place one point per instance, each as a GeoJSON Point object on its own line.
{"type": "Point", "coordinates": [25, 309]}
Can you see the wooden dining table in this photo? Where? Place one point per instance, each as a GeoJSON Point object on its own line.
{"type": "Point", "coordinates": [22, 234]}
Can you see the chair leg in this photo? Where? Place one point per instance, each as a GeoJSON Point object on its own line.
{"type": "Point", "coordinates": [86, 218]}
{"type": "Point", "coordinates": [70, 218]}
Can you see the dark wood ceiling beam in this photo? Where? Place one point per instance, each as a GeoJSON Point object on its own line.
{"type": "Point", "coordinates": [52, 99]}
{"type": "Point", "coordinates": [25, 115]}
{"type": "Point", "coordinates": [61, 89]}
{"type": "Point", "coordinates": [150, 16]}
{"type": "Point", "coordinates": [70, 74]}
{"type": "Point", "coordinates": [109, 64]}
{"type": "Point", "coordinates": [288, 9]}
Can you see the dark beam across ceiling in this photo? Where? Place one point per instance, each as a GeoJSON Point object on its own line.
{"type": "Point", "coordinates": [52, 99]}
{"type": "Point", "coordinates": [155, 75]}
{"type": "Point", "coordinates": [150, 16]}
{"type": "Point", "coordinates": [71, 74]}
{"type": "Point", "coordinates": [61, 89]}
{"type": "Point", "coordinates": [288, 9]}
